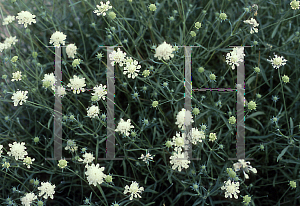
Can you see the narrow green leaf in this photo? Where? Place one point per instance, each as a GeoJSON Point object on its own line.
{"type": "Point", "coordinates": [181, 36]}
{"type": "Point", "coordinates": [282, 153]}
{"type": "Point", "coordinates": [102, 193]}
{"type": "Point", "coordinates": [275, 30]}
{"type": "Point", "coordinates": [254, 115]}
{"type": "Point", "coordinates": [250, 80]}
{"type": "Point", "coordinates": [252, 129]}
{"type": "Point", "coordinates": [291, 125]}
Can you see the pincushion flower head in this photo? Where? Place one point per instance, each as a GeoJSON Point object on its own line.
{"type": "Point", "coordinates": [17, 150]}
{"type": "Point", "coordinates": [49, 80]}
{"type": "Point", "coordinates": [9, 41]}
{"type": "Point", "coordinates": [101, 10]}
{"type": "Point", "coordinates": [93, 111]}
{"type": "Point", "coordinates": [117, 56]}
{"type": "Point", "coordinates": [245, 166]}
{"type": "Point", "coordinates": [25, 17]}
{"type": "Point", "coordinates": [28, 161]}
{"type": "Point", "coordinates": [164, 51]}
{"type": "Point", "coordinates": [19, 97]}
{"type": "Point", "coordinates": [46, 189]}
{"type": "Point", "coordinates": [253, 23]}
{"type": "Point", "coordinates": [71, 50]}
{"type": "Point", "coordinates": [277, 61]}
{"type": "Point", "coordinates": [16, 76]}
{"type": "Point", "coordinates": [231, 189]}
{"type": "Point", "coordinates": [95, 174]}
{"type": "Point", "coordinates": [181, 121]}
{"type": "Point", "coordinates": [8, 20]}
{"type": "Point", "coordinates": [295, 4]}
{"type": "Point", "coordinates": [58, 38]}
{"type": "Point", "coordinates": [179, 160]}
{"type": "Point", "coordinates": [131, 68]}
{"type": "Point", "coordinates": [88, 158]}
{"type": "Point", "coordinates": [28, 199]}
{"type": "Point", "coordinates": [100, 91]}
{"type": "Point", "coordinates": [77, 84]}
{"type": "Point", "coordinates": [124, 127]}
{"type": "Point", "coordinates": [146, 158]}
{"type": "Point", "coordinates": [134, 190]}
{"type": "Point", "coordinates": [196, 136]}
{"type": "Point", "coordinates": [235, 57]}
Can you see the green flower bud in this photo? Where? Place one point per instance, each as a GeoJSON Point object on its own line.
{"type": "Point", "coordinates": [34, 54]}
{"type": "Point", "coordinates": [193, 34]}
{"type": "Point", "coordinates": [154, 103]}
{"type": "Point", "coordinates": [36, 139]}
{"type": "Point", "coordinates": [196, 111]}
{"type": "Point", "coordinates": [223, 16]}
{"type": "Point", "coordinates": [285, 79]}
{"type": "Point", "coordinates": [146, 73]}
{"type": "Point", "coordinates": [108, 178]}
{"type": "Point", "coordinates": [251, 105]}
{"type": "Point", "coordinates": [112, 15]}
{"type": "Point", "coordinates": [152, 7]}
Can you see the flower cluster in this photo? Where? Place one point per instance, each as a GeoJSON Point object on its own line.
{"type": "Point", "coordinates": [277, 61]}
{"type": "Point", "coordinates": [58, 38]}
{"type": "Point", "coordinates": [77, 84]}
{"type": "Point", "coordinates": [25, 17]}
{"type": "Point", "coordinates": [19, 97]}
{"type": "Point", "coordinates": [232, 188]}
{"type": "Point", "coordinates": [184, 119]}
{"type": "Point", "coordinates": [95, 174]}
{"type": "Point", "coordinates": [8, 42]}
{"type": "Point", "coordinates": [101, 10]}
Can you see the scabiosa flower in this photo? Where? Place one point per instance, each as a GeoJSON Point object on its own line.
{"type": "Point", "coordinates": [253, 23]}
{"type": "Point", "coordinates": [196, 136]}
{"type": "Point", "coordinates": [285, 79]}
{"type": "Point", "coordinates": [124, 127]}
{"type": "Point", "coordinates": [164, 51]}
{"type": "Point", "coordinates": [245, 166]}
{"type": "Point", "coordinates": [8, 20]}
{"type": "Point", "coordinates": [76, 62]}
{"type": "Point", "coordinates": [71, 145]}
{"type": "Point", "coordinates": [178, 161]}
{"type": "Point", "coordinates": [212, 137]}
{"type": "Point", "coordinates": [49, 80]}
{"type": "Point", "coordinates": [152, 7]}
{"type": "Point", "coordinates": [146, 158]}
{"type": "Point", "coordinates": [181, 118]}
{"type": "Point", "coordinates": [19, 97]}
{"type": "Point", "coordinates": [58, 38]}
{"type": "Point", "coordinates": [293, 184]}
{"type": "Point", "coordinates": [77, 84]}
{"type": "Point", "coordinates": [235, 57]}
{"type": "Point", "coordinates": [17, 150]}
{"type": "Point", "coordinates": [179, 141]}
{"type": "Point", "coordinates": [62, 163]}
{"type": "Point", "coordinates": [275, 98]}
{"type": "Point", "coordinates": [117, 56]}
{"type": "Point", "coordinates": [28, 161]}
{"type": "Point", "coordinates": [16, 76]}
{"type": "Point", "coordinates": [28, 199]}
{"type": "Point", "coordinates": [25, 17]}
{"type": "Point", "coordinates": [101, 10]}
{"type": "Point", "coordinates": [295, 4]}
{"type": "Point", "coordinates": [134, 189]}
{"type": "Point", "coordinates": [9, 41]}
{"type": "Point", "coordinates": [60, 91]}
{"type": "Point", "coordinates": [95, 174]}
{"type": "Point", "coordinates": [277, 61]}
{"type": "Point", "coordinates": [231, 189]}
{"type": "Point", "coordinates": [1, 147]}
{"type": "Point", "coordinates": [71, 50]}
{"type": "Point", "coordinates": [88, 158]}
{"type": "Point", "coordinates": [251, 105]}
{"type": "Point", "coordinates": [93, 111]}
{"type": "Point", "coordinates": [132, 68]}
{"type": "Point", "coordinates": [100, 91]}
{"type": "Point", "coordinates": [48, 189]}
